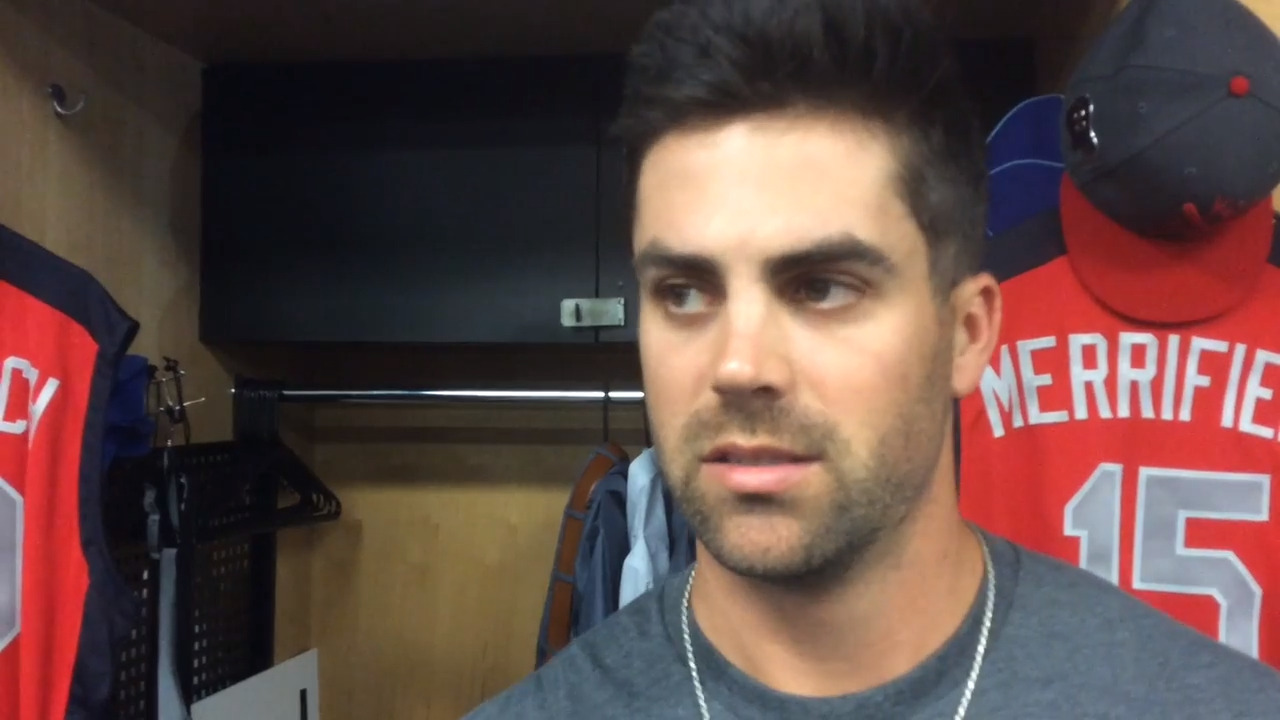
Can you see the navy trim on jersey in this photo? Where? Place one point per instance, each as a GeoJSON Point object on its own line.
{"type": "Point", "coordinates": [110, 609]}
{"type": "Point", "coordinates": [1032, 243]}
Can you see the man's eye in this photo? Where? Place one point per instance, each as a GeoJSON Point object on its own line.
{"type": "Point", "coordinates": [826, 293]}
{"type": "Point", "coordinates": [682, 299]}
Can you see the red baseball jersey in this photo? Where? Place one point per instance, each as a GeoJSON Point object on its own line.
{"type": "Point", "coordinates": [61, 339]}
{"type": "Point", "coordinates": [1142, 451]}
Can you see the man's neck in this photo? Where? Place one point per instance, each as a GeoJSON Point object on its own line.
{"type": "Point", "coordinates": [891, 613]}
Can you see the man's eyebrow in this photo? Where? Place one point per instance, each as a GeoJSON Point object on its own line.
{"type": "Point", "coordinates": [835, 249]}
{"type": "Point", "coordinates": [657, 255]}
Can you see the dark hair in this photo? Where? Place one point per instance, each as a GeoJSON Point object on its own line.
{"type": "Point", "coordinates": [884, 60]}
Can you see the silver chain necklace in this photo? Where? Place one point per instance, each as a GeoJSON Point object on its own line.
{"type": "Point", "coordinates": [969, 685]}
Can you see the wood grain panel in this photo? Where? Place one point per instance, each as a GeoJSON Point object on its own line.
{"type": "Point", "coordinates": [431, 587]}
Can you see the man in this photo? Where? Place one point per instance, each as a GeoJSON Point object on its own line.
{"type": "Point", "coordinates": [808, 224]}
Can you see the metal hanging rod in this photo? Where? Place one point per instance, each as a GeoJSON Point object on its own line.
{"type": "Point", "coordinates": [390, 396]}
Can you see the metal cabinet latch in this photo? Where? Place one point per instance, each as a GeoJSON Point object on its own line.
{"type": "Point", "coordinates": [593, 312]}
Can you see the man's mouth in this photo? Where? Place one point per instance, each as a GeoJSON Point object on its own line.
{"type": "Point", "coordinates": [758, 469]}
{"type": "Point", "coordinates": [758, 455]}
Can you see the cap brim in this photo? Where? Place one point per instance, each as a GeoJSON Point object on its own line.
{"type": "Point", "coordinates": [1165, 281]}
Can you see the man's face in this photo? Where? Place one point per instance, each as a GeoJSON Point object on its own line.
{"type": "Point", "coordinates": [797, 365]}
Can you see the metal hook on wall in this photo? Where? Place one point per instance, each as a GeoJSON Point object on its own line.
{"type": "Point", "coordinates": [59, 95]}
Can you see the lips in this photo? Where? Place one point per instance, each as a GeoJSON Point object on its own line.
{"type": "Point", "coordinates": [757, 469]}
{"type": "Point", "coordinates": [756, 455]}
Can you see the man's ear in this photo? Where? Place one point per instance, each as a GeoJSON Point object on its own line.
{"type": "Point", "coordinates": [976, 311]}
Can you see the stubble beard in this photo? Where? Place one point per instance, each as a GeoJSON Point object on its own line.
{"type": "Point", "coordinates": [871, 495]}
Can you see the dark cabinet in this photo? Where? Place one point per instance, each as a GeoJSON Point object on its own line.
{"type": "Point", "coordinates": [617, 278]}
{"type": "Point", "coordinates": [440, 201]}
{"type": "Point", "coordinates": [443, 201]}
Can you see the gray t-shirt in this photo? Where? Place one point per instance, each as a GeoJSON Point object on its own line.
{"type": "Point", "coordinates": [1064, 645]}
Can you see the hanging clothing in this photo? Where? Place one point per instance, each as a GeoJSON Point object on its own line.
{"type": "Point", "coordinates": [130, 428]}
{"type": "Point", "coordinates": [1143, 463]}
{"type": "Point", "coordinates": [650, 553]}
{"type": "Point", "coordinates": [662, 541]}
{"type": "Point", "coordinates": [128, 433]}
{"type": "Point", "coordinates": [604, 547]}
{"type": "Point", "coordinates": [1024, 163]}
{"type": "Point", "coordinates": [1028, 132]}
{"type": "Point", "coordinates": [62, 336]}
{"type": "Point", "coordinates": [556, 628]}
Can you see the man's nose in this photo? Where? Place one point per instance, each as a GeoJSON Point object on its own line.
{"type": "Point", "coordinates": [753, 357]}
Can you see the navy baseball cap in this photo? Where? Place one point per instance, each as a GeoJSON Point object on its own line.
{"type": "Point", "coordinates": [1172, 119]}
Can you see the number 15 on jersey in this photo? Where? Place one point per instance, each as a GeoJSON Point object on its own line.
{"type": "Point", "coordinates": [1163, 561]}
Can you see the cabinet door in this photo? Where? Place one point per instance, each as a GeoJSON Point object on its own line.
{"type": "Point", "coordinates": [617, 277]}
{"type": "Point", "coordinates": [442, 201]}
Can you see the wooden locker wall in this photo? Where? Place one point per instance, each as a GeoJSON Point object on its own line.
{"type": "Point", "coordinates": [425, 597]}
